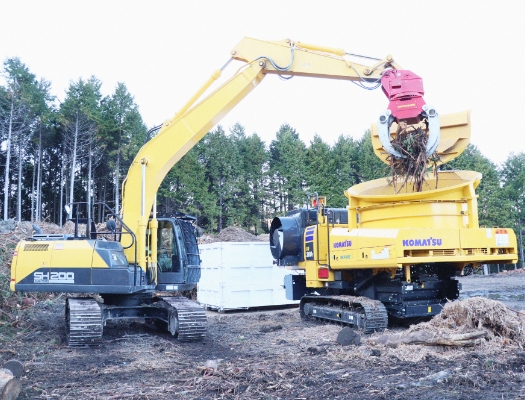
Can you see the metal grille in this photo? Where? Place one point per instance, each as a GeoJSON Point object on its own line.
{"type": "Point", "coordinates": [470, 252]}
{"type": "Point", "coordinates": [449, 252]}
{"type": "Point", "coordinates": [426, 253]}
{"type": "Point", "coordinates": [36, 247]}
{"type": "Point", "coordinates": [192, 251]}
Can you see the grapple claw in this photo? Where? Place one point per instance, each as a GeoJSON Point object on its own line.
{"type": "Point", "coordinates": [433, 128]}
{"type": "Point", "coordinates": [383, 130]}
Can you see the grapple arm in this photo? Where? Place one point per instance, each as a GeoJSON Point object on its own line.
{"type": "Point", "coordinates": [404, 90]}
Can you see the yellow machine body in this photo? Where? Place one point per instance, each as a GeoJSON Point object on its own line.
{"type": "Point", "coordinates": [48, 258]}
{"type": "Point", "coordinates": [191, 123]}
{"type": "Point", "coordinates": [185, 129]}
{"type": "Point", "coordinates": [388, 230]}
{"type": "Point", "coordinates": [82, 265]}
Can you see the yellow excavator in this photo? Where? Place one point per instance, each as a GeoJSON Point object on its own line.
{"type": "Point", "coordinates": [141, 253]}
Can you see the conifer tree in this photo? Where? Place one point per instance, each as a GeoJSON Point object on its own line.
{"type": "Point", "coordinates": [345, 153]}
{"type": "Point", "coordinates": [253, 164]}
{"type": "Point", "coordinates": [287, 179]}
{"type": "Point", "coordinates": [320, 167]}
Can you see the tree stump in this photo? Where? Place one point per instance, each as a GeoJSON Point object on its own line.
{"type": "Point", "coordinates": [10, 386]}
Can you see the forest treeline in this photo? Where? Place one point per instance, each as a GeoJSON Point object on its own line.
{"type": "Point", "coordinates": [80, 149]}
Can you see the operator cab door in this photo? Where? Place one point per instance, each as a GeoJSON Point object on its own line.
{"type": "Point", "coordinates": [171, 254]}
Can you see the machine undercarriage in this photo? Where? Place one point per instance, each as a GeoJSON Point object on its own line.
{"type": "Point", "coordinates": [367, 301]}
{"type": "Point", "coordinates": [358, 312]}
{"type": "Point", "coordinates": [86, 317]}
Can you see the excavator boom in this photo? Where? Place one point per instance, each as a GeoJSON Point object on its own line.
{"type": "Point", "coordinates": [287, 58]}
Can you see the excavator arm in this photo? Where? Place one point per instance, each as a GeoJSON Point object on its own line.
{"type": "Point", "coordinates": [179, 134]}
{"type": "Point", "coordinates": [403, 88]}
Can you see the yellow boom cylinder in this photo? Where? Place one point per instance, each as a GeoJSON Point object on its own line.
{"type": "Point", "coordinates": [216, 75]}
{"type": "Point", "coordinates": [323, 49]}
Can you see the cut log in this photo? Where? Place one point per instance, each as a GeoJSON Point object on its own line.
{"type": "Point", "coordinates": [429, 338]}
{"type": "Point", "coordinates": [10, 386]}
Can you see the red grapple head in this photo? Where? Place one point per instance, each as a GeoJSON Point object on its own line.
{"type": "Point", "coordinates": [405, 91]}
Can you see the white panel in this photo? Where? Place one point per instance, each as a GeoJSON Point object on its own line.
{"type": "Point", "coordinates": [240, 275]}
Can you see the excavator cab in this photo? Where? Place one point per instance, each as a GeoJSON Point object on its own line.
{"type": "Point", "coordinates": [169, 261]}
{"type": "Point", "coordinates": [178, 260]}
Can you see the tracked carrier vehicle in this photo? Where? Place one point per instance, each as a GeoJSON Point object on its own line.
{"type": "Point", "coordinates": [94, 261]}
{"type": "Point", "coordinates": [387, 254]}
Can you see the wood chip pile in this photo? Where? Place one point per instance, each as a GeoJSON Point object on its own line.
{"type": "Point", "coordinates": [513, 271]}
{"type": "Point", "coordinates": [501, 323]}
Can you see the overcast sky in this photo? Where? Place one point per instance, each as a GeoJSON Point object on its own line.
{"type": "Point", "coordinates": [470, 55]}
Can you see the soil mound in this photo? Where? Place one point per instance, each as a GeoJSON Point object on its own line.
{"type": "Point", "coordinates": [233, 234]}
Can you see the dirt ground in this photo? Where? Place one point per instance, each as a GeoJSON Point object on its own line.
{"type": "Point", "coordinates": [263, 354]}
{"type": "Point", "coordinates": [507, 287]}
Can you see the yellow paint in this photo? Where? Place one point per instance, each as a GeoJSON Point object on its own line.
{"type": "Point", "coordinates": [408, 275]}
{"type": "Point", "coordinates": [197, 117]}
{"type": "Point", "coordinates": [379, 220]}
{"type": "Point", "coordinates": [58, 254]}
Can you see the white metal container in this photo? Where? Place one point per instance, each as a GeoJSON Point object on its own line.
{"type": "Point", "coordinates": [240, 275]}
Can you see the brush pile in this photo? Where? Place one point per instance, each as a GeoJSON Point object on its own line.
{"type": "Point", "coordinates": [469, 322]}
{"type": "Point", "coordinates": [500, 322]}
{"type": "Point", "coordinates": [411, 141]}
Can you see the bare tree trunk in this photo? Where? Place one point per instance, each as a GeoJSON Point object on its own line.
{"type": "Point", "coordinates": [117, 177]}
{"type": "Point", "coordinates": [431, 338]}
{"type": "Point", "coordinates": [10, 386]}
{"type": "Point", "coordinates": [61, 189]}
{"type": "Point", "coordinates": [7, 159]}
{"type": "Point", "coordinates": [19, 189]}
{"type": "Point", "coordinates": [39, 179]}
{"type": "Point", "coordinates": [73, 164]}
{"type": "Point", "coordinates": [90, 155]}
{"type": "Point", "coordinates": [101, 198]}
{"type": "Point", "coordinates": [33, 213]}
